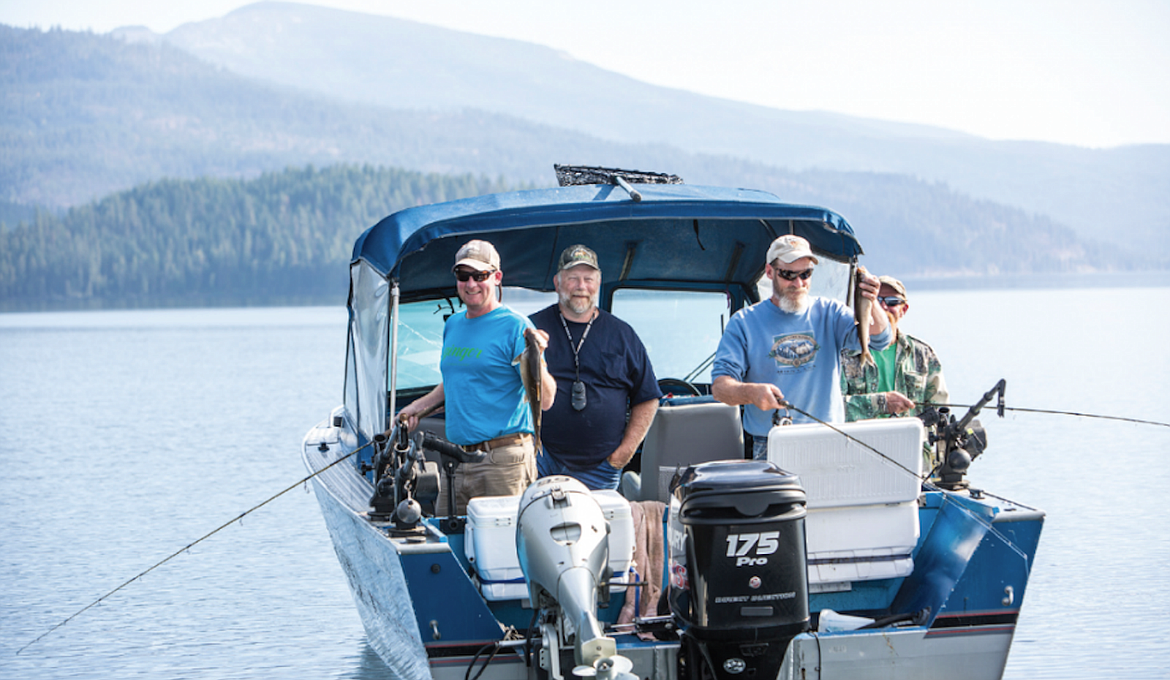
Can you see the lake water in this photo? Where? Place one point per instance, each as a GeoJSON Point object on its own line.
{"type": "Point", "coordinates": [128, 435]}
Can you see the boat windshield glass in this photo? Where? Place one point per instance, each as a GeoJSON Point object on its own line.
{"type": "Point", "coordinates": [680, 329]}
{"type": "Point", "coordinates": [420, 333]}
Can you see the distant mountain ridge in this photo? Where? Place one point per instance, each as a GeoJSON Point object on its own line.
{"type": "Point", "coordinates": [404, 64]}
{"type": "Point", "coordinates": [85, 115]}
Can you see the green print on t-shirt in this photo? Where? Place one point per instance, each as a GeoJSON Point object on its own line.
{"type": "Point", "coordinates": [462, 353]}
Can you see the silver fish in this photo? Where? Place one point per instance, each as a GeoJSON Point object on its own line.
{"type": "Point", "coordinates": [530, 374]}
{"type": "Point", "coordinates": [861, 313]}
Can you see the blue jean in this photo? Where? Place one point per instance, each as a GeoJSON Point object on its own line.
{"type": "Point", "coordinates": [603, 476]}
{"type": "Point", "coordinates": [759, 447]}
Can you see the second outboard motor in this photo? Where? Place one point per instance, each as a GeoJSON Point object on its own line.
{"type": "Point", "coordinates": [563, 543]}
{"type": "Point", "coordinates": [738, 568]}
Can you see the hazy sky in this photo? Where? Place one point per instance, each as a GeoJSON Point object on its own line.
{"type": "Point", "coordinates": [1087, 72]}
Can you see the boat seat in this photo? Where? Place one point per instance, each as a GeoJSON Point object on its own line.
{"type": "Point", "coordinates": [862, 521]}
{"type": "Point", "coordinates": [686, 431]}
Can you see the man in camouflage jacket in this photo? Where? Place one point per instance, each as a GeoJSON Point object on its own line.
{"type": "Point", "coordinates": [916, 372]}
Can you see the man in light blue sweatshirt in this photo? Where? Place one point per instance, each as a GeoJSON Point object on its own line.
{"type": "Point", "coordinates": [788, 348]}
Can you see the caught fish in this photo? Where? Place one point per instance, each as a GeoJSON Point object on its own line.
{"type": "Point", "coordinates": [530, 374]}
{"type": "Point", "coordinates": [861, 316]}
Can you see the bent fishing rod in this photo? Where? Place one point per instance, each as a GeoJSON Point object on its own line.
{"type": "Point", "coordinates": [192, 544]}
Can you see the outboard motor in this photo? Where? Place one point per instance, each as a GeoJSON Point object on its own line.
{"type": "Point", "coordinates": [738, 569]}
{"type": "Point", "coordinates": [563, 543]}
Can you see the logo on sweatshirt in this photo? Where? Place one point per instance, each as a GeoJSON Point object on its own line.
{"type": "Point", "coordinates": [793, 350]}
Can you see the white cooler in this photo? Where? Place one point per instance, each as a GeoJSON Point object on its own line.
{"type": "Point", "coordinates": [489, 542]}
{"type": "Point", "coordinates": [862, 521]}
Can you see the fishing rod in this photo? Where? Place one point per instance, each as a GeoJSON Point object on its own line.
{"type": "Point", "coordinates": [953, 429]}
{"type": "Point", "coordinates": [789, 406]}
{"type": "Point", "coordinates": [1058, 413]}
{"type": "Point", "coordinates": [194, 543]}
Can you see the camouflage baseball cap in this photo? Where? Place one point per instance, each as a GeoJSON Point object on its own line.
{"type": "Point", "coordinates": [575, 255]}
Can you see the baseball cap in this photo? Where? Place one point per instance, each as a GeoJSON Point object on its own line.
{"type": "Point", "coordinates": [789, 249]}
{"type": "Point", "coordinates": [479, 255]}
{"type": "Point", "coordinates": [895, 284]}
{"type": "Point", "coordinates": [575, 255]}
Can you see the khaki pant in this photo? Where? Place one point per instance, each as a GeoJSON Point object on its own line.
{"type": "Point", "coordinates": [506, 471]}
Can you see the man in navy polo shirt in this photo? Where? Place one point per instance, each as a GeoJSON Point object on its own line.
{"type": "Point", "coordinates": [601, 370]}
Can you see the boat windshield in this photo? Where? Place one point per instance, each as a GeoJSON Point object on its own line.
{"type": "Point", "coordinates": [680, 328]}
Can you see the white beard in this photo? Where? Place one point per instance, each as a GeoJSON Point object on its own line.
{"type": "Point", "coordinates": [795, 304]}
{"type": "Point", "coordinates": [578, 305]}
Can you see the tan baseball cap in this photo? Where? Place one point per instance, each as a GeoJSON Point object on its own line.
{"type": "Point", "coordinates": [789, 249]}
{"type": "Point", "coordinates": [575, 255]}
{"type": "Point", "coordinates": [895, 284]}
{"type": "Point", "coordinates": [479, 255]}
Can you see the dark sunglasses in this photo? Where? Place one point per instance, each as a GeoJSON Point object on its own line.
{"type": "Point", "coordinates": [891, 301]}
{"type": "Point", "coordinates": [792, 276]}
{"type": "Point", "coordinates": [467, 274]}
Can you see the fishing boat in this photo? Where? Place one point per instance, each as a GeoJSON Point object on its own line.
{"type": "Point", "coordinates": [838, 556]}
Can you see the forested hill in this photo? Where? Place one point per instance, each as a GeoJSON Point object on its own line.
{"type": "Point", "coordinates": [281, 238]}
{"type": "Point", "coordinates": [287, 237]}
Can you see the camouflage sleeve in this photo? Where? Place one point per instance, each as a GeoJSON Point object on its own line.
{"type": "Point", "coordinates": [936, 385]}
{"type": "Point", "coordinates": [860, 404]}
{"type": "Point", "coordinates": [935, 389]}
{"type": "Point", "coordinates": [864, 406]}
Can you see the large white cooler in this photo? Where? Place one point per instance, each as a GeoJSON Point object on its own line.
{"type": "Point", "coordinates": [862, 521]}
{"type": "Point", "coordinates": [489, 542]}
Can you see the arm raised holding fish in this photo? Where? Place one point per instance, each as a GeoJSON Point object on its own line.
{"type": "Point", "coordinates": [871, 319]}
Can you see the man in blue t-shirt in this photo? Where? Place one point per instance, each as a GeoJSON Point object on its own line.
{"type": "Point", "coordinates": [601, 370]}
{"type": "Point", "coordinates": [482, 391]}
{"type": "Point", "coordinates": [788, 348]}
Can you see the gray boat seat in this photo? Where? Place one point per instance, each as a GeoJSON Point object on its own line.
{"type": "Point", "coordinates": [686, 431]}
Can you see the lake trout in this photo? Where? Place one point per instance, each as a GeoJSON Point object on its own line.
{"type": "Point", "coordinates": [861, 315]}
{"type": "Point", "coordinates": [530, 374]}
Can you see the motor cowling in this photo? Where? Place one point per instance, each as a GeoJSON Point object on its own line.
{"type": "Point", "coordinates": [738, 567]}
{"type": "Point", "coordinates": [562, 539]}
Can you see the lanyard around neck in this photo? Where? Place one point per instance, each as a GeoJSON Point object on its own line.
{"type": "Point", "coordinates": [580, 343]}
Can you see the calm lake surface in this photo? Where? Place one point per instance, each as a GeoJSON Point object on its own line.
{"type": "Point", "coordinates": [129, 435]}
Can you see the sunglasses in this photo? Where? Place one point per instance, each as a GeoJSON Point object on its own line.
{"type": "Point", "coordinates": [891, 301]}
{"type": "Point", "coordinates": [467, 274]}
{"type": "Point", "coordinates": [792, 276]}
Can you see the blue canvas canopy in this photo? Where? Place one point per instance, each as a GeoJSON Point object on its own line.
{"type": "Point", "coordinates": [676, 233]}
{"type": "Point", "coordinates": [677, 236]}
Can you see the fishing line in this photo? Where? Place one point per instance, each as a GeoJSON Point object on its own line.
{"type": "Point", "coordinates": [926, 484]}
{"type": "Point", "coordinates": [193, 544]}
{"type": "Point", "coordinates": [851, 438]}
{"type": "Point", "coordinates": [1060, 413]}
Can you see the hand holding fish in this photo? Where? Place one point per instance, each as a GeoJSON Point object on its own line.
{"type": "Point", "coordinates": [539, 387]}
{"type": "Point", "coordinates": [539, 337]}
{"type": "Point", "coordinates": [868, 284]}
{"type": "Point", "coordinates": [868, 314]}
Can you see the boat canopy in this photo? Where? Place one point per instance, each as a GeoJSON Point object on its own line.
{"type": "Point", "coordinates": [675, 233]}
{"type": "Point", "coordinates": [671, 236]}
